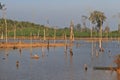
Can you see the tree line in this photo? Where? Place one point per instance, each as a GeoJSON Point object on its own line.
{"type": "Point", "coordinates": [24, 28]}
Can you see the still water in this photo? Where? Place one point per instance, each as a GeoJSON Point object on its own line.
{"type": "Point", "coordinates": [56, 64]}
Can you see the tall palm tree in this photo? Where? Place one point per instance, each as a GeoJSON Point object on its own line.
{"type": "Point", "coordinates": [98, 17]}
{"type": "Point", "coordinates": [3, 8]}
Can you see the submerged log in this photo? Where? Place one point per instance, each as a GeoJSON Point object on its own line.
{"type": "Point", "coordinates": [106, 68]}
{"type": "Point", "coordinates": [117, 69]}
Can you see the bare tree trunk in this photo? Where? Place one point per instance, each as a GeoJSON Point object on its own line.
{"type": "Point", "coordinates": [14, 32]}
{"type": "Point", "coordinates": [2, 35]}
{"type": "Point", "coordinates": [100, 43]}
{"type": "Point", "coordinates": [31, 44]}
{"type": "Point", "coordinates": [44, 35]}
{"type": "Point", "coordinates": [54, 34]}
{"type": "Point", "coordinates": [6, 30]}
{"type": "Point", "coordinates": [100, 37]}
{"type": "Point", "coordinates": [4, 17]}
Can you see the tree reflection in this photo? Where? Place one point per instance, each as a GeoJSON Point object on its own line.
{"type": "Point", "coordinates": [20, 51]}
{"type": "Point", "coordinates": [71, 58]}
{"type": "Point", "coordinates": [6, 54]}
{"type": "Point", "coordinates": [43, 53]}
{"type": "Point", "coordinates": [17, 64]}
{"type": "Point", "coordinates": [71, 65]}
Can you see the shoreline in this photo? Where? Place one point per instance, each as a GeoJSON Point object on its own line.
{"type": "Point", "coordinates": [27, 45]}
{"type": "Point", "coordinates": [20, 44]}
{"type": "Point", "coordinates": [62, 38]}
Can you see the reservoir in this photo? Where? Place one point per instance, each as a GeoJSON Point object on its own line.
{"type": "Point", "coordinates": [57, 63]}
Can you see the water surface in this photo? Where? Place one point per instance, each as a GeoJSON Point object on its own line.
{"type": "Point", "coordinates": [56, 64]}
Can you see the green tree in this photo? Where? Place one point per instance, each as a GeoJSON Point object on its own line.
{"type": "Point", "coordinates": [98, 17]}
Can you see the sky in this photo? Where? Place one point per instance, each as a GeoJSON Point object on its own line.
{"type": "Point", "coordinates": [61, 12]}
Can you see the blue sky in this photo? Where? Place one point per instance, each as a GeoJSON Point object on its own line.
{"type": "Point", "coordinates": [60, 12]}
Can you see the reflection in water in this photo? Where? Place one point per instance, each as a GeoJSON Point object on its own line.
{"type": "Point", "coordinates": [109, 53]}
{"type": "Point", "coordinates": [71, 52]}
{"type": "Point", "coordinates": [43, 54]}
{"type": "Point", "coordinates": [66, 56]}
{"type": "Point", "coordinates": [35, 56]}
{"type": "Point", "coordinates": [71, 67]}
{"type": "Point", "coordinates": [20, 51]}
{"type": "Point", "coordinates": [17, 64]}
{"type": "Point", "coordinates": [102, 60]}
{"type": "Point", "coordinates": [71, 60]}
{"type": "Point", "coordinates": [77, 45]}
{"type": "Point", "coordinates": [65, 49]}
{"type": "Point", "coordinates": [54, 48]}
{"type": "Point", "coordinates": [55, 67]}
{"type": "Point", "coordinates": [31, 51]}
{"type": "Point", "coordinates": [97, 53]}
{"type": "Point", "coordinates": [92, 49]}
{"type": "Point", "coordinates": [6, 54]}
{"type": "Point", "coordinates": [48, 46]}
{"type": "Point", "coordinates": [85, 67]}
{"type": "Point", "coordinates": [101, 49]}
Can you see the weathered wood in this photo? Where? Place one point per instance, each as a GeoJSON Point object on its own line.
{"type": "Point", "coordinates": [117, 69]}
{"type": "Point", "coordinates": [106, 68]}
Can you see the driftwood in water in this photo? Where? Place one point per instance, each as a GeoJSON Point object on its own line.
{"type": "Point", "coordinates": [117, 69]}
{"type": "Point", "coordinates": [106, 68]}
